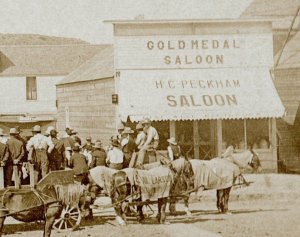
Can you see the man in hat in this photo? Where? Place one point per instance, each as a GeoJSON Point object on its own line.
{"type": "Point", "coordinates": [78, 162]}
{"type": "Point", "coordinates": [74, 135]}
{"type": "Point", "coordinates": [4, 155]}
{"type": "Point", "coordinates": [16, 151]}
{"type": "Point", "coordinates": [174, 151]}
{"type": "Point", "coordinates": [141, 136]}
{"type": "Point", "coordinates": [115, 156]}
{"type": "Point", "coordinates": [69, 142]}
{"type": "Point", "coordinates": [151, 140]}
{"type": "Point", "coordinates": [120, 129]}
{"type": "Point", "coordinates": [57, 156]}
{"type": "Point", "coordinates": [88, 148]}
{"type": "Point", "coordinates": [88, 144]}
{"type": "Point", "coordinates": [128, 145]}
{"type": "Point", "coordinates": [39, 146]}
{"type": "Point", "coordinates": [98, 155]}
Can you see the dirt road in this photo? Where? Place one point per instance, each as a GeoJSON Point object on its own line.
{"type": "Point", "coordinates": [251, 217]}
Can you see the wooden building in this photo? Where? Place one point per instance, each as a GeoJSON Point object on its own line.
{"type": "Point", "coordinates": [85, 97]}
{"type": "Point", "coordinates": [285, 17]}
{"type": "Point", "coordinates": [28, 75]}
{"type": "Point", "coordinates": [207, 83]}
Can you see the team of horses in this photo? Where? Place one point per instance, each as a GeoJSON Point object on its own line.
{"type": "Point", "coordinates": [187, 176]}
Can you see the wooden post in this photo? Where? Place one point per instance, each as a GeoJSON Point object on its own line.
{"type": "Point", "coordinates": [219, 137]}
{"type": "Point", "coordinates": [245, 134]}
{"type": "Point", "coordinates": [16, 177]}
{"type": "Point", "coordinates": [196, 139]}
{"type": "Point", "coordinates": [213, 140]}
{"type": "Point", "coordinates": [67, 114]}
{"type": "Point", "coordinates": [32, 176]}
{"type": "Point", "coordinates": [1, 177]}
{"type": "Point", "coordinates": [274, 144]}
{"type": "Point", "coordinates": [173, 129]}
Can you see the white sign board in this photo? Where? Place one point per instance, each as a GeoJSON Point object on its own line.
{"type": "Point", "coordinates": [198, 94]}
{"type": "Point", "coordinates": [194, 51]}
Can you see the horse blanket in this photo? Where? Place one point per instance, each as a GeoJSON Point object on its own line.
{"type": "Point", "coordinates": [214, 174]}
{"type": "Point", "coordinates": [103, 177]}
{"type": "Point", "coordinates": [154, 183]}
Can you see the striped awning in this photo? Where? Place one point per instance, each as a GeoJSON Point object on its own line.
{"type": "Point", "coordinates": [229, 93]}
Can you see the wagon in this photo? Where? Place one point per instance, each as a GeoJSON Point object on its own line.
{"type": "Point", "coordinates": [31, 200]}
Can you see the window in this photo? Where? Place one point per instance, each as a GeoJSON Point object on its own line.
{"type": "Point", "coordinates": [244, 133]}
{"type": "Point", "coordinates": [31, 91]}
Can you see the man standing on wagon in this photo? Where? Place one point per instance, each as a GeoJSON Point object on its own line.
{"type": "Point", "coordinates": [39, 146]}
{"type": "Point", "coordinates": [151, 141]}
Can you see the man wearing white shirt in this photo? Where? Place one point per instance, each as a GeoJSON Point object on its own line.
{"type": "Point", "coordinates": [42, 146]}
{"type": "Point", "coordinates": [115, 156]}
{"type": "Point", "coordinates": [151, 141]}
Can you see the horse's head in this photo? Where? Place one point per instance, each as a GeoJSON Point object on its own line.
{"type": "Point", "coordinates": [184, 175]}
{"type": "Point", "coordinates": [255, 162]}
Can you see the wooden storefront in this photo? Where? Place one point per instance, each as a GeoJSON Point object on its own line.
{"type": "Point", "coordinates": [207, 83]}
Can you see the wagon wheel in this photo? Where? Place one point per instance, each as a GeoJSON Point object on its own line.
{"type": "Point", "coordinates": [69, 218]}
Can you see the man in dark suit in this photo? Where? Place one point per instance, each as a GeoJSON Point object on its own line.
{"type": "Point", "coordinates": [4, 156]}
{"type": "Point", "coordinates": [16, 151]}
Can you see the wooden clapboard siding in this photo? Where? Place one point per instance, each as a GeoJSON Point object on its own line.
{"type": "Point", "coordinates": [287, 82]}
{"type": "Point", "coordinates": [90, 107]}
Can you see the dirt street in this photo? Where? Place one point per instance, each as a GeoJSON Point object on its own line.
{"type": "Point", "coordinates": [253, 215]}
{"type": "Point", "coordinates": [251, 219]}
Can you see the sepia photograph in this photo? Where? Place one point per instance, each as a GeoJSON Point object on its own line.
{"type": "Point", "coordinates": [138, 118]}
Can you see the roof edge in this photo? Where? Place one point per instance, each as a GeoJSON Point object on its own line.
{"type": "Point", "coordinates": [74, 82]}
{"type": "Point", "coordinates": [162, 21]}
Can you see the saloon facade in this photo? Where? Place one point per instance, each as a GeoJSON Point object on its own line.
{"type": "Point", "coordinates": [207, 83]}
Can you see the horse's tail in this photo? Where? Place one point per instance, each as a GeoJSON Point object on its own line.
{"type": "Point", "coordinates": [69, 194]}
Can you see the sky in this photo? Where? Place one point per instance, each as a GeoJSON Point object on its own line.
{"type": "Point", "coordinates": [83, 19]}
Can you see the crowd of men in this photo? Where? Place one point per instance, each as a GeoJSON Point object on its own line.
{"type": "Point", "coordinates": [49, 153]}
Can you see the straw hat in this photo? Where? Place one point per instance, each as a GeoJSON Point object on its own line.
{"type": "Point", "coordinates": [146, 121]}
{"type": "Point", "coordinates": [13, 131]}
{"type": "Point", "coordinates": [127, 130]}
{"type": "Point", "coordinates": [36, 128]}
{"type": "Point", "coordinates": [2, 132]}
{"type": "Point", "coordinates": [88, 138]}
{"type": "Point", "coordinates": [172, 141]}
{"type": "Point", "coordinates": [139, 126]}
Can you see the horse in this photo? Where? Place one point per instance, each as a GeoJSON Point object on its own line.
{"type": "Point", "coordinates": [223, 172]}
{"type": "Point", "coordinates": [122, 188]}
{"type": "Point", "coordinates": [28, 205]}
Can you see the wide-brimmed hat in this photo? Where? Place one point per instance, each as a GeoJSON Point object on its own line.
{"type": "Point", "coordinates": [139, 126]}
{"type": "Point", "coordinates": [13, 131]}
{"type": "Point", "coordinates": [145, 121]}
{"type": "Point", "coordinates": [172, 141]}
{"type": "Point", "coordinates": [49, 129]}
{"type": "Point", "coordinates": [88, 138]}
{"type": "Point", "coordinates": [98, 144]}
{"type": "Point", "coordinates": [115, 143]}
{"type": "Point", "coordinates": [36, 128]}
{"type": "Point", "coordinates": [127, 130]}
{"type": "Point", "coordinates": [2, 132]}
